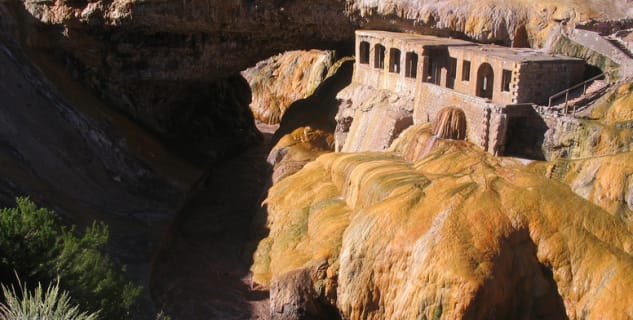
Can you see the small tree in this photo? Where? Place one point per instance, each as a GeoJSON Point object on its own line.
{"type": "Point", "coordinates": [33, 243]}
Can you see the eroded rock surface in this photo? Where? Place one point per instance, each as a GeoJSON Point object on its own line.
{"type": "Point", "coordinates": [279, 81]}
{"type": "Point", "coordinates": [518, 23]}
{"type": "Point", "coordinates": [606, 181]}
{"type": "Point", "coordinates": [369, 119]}
{"type": "Point", "coordinates": [455, 233]}
{"type": "Point", "coordinates": [450, 124]}
{"type": "Point", "coordinates": [605, 129]}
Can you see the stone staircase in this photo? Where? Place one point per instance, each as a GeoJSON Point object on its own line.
{"type": "Point", "coordinates": [607, 46]}
{"type": "Point", "coordinates": [617, 43]}
{"type": "Point", "coordinates": [579, 97]}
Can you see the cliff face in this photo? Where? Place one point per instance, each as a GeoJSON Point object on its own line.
{"type": "Point", "coordinates": [431, 229]}
{"type": "Point", "coordinates": [279, 81]}
{"type": "Point", "coordinates": [448, 232]}
{"type": "Point", "coordinates": [370, 119]}
{"type": "Point", "coordinates": [520, 22]}
{"type": "Point", "coordinates": [174, 66]}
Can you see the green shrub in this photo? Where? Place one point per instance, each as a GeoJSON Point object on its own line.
{"type": "Point", "coordinates": [39, 305]}
{"type": "Point", "coordinates": [33, 243]}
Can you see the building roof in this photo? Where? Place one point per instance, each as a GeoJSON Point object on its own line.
{"type": "Point", "coordinates": [509, 54]}
{"type": "Point", "coordinates": [422, 40]}
{"type": "Point", "coordinates": [517, 54]}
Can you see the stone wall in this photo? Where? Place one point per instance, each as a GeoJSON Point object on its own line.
{"type": "Point", "coordinates": [476, 61]}
{"type": "Point", "coordinates": [382, 78]}
{"type": "Point", "coordinates": [513, 76]}
{"type": "Point", "coordinates": [538, 81]}
{"type": "Point", "coordinates": [486, 123]}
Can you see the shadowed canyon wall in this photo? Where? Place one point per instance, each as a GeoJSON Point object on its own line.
{"type": "Point", "coordinates": [174, 66]}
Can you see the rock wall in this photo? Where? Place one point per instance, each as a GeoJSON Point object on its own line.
{"type": "Point", "coordinates": [370, 119]}
{"type": "Point", "coordinates": [173, 66]}
{"type": "Point", "coordinates": [480, 114]}
{"type": "Point", "coordinates": [283, 79]}
{"type": "Point", "coordinates": [518, 23]}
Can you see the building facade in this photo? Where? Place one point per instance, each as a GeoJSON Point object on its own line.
{"type": "Point", "coordinates": [492, 84]}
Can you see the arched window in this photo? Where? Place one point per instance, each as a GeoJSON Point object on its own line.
{"type": "Point", "coordinates": [485, 80]}
{"type": "Point", "coordinates": [394, 60]}
{"type": "Point", "coordinates": [411, 65]}
{"type": "Point", "coordinates": [363, 53]}
{"type": "Point", "coordinates": [379, 56]}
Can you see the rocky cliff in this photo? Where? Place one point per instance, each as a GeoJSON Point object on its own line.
{"type": "Point", "coordinates": [174, 66]}
{"type": "Point", "coordinates": [279, 81]}
{"type": "Point", "coordinates": [159, 61]}
{"type": "Point", "coordinates": [518, 23]}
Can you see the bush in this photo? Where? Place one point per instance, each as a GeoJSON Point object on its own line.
{"type": "Point", "coordinates": [33, 243]}
{"type": "Point", "coordinates": [52, 304]}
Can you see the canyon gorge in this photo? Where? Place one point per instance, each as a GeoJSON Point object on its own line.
{"type": "Point", "coordinates": [248, 171]}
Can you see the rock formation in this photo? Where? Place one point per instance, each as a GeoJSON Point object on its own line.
{"type": "Point", "coordinates": [171, 64]}
{"type": "Point", "coordinates": [456, 234]}
{"type": "Point", "coordinates": [433, 228]}
{"type": "Point", "coordinates": [157, 60]}
{"type": "Point", "coordinates": [518, 23]}
{"type": "Point", "coordinates": [279, 81]}
{"type": "Point", "coordinates": [370, 119]}
{"type": "Point", "coordinates": [604, 129]}
{"type": "Point", "coordinates": [450, 124]}
{"type": "Point", "coordinates": [295, 150]}
{"type": "Point", "coordinates": [605, 181]}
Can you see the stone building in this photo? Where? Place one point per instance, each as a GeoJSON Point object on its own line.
{"type": "Point", "coordinates": [495, 86]}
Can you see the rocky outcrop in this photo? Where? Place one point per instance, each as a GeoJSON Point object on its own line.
{"type": "Point", "coordinates": [450, 124]}
{"type": "Point", "coordinates": [517, 23]}
{"type": "Point", "coordinates": [279, 81]}
{"type": "Point", "coordinates": [295, 150]}
{"type": "Point", "coordinates": [370, 119]}
{"type": "Point", "coordinates": [307, 129]}
{"type": "Point", "coordinates": [607, 129]}
{"type": "Point", "coordinates": [456, 234]}
{"type": "Point", "coordinates": [605, 181]}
